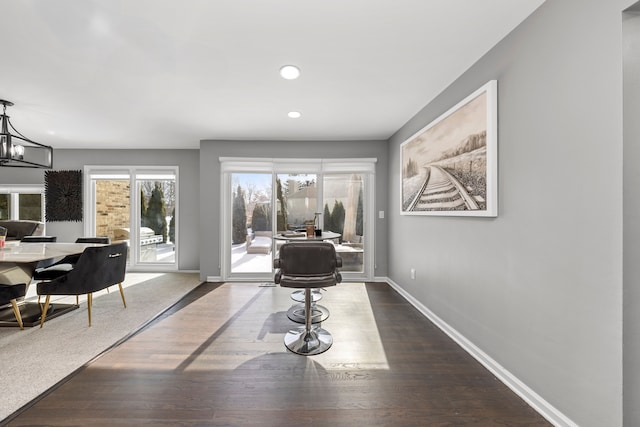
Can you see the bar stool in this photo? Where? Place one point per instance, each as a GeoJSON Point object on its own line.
{"type": "Point", "coordinates": [296, 312]}
{"type": "Point", "coordinates": [307, 266]}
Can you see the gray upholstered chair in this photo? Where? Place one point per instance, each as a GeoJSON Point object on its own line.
{"type": "Point", "coordinates": [308, 265]}
{"type": "Point", "coordinates": [99, 239]}
{"type": "Point", "coordinates": [65, 265]}
{"type": "Point", "coordinates": [9, 294]}
{"type": "Point", "coordinates": [97, 268]}
{"type": "Point", "coordinates": [16, 229]}
{"type": "Point", "coordinates": [39, 239]}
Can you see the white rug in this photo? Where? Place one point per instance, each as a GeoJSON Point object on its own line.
{"type": "Point", "coordinates": [34, 359]}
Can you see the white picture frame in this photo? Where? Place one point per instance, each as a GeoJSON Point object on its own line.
{"type": "Point", "coordinates": [450, 167]}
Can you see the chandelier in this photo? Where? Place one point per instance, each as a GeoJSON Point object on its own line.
{"type": "Point", "coordinates": [18, 151]}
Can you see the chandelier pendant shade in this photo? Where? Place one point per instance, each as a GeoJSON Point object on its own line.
{"type": "Point", "coordinates": [18, 151]}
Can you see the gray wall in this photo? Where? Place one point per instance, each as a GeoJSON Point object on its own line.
{"type": "Point", "coordinates": [211, 151]}
{"type": "Point", "coordinates": [189, 189]}
{"type": "Point", "coordinates": [631, 271]}
{"type": "Point", "coordinates": [539, 288]}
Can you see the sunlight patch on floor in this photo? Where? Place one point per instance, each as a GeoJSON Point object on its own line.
{"type": "Point", "coordinates": [131, 279]}
{"type": "Point", "coordinates": [253, 323]}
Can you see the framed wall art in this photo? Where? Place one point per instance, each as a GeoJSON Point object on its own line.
{"type": "Point", "coordinates": [449, 167]}
{"type": "Point", "coordinates": [63, 195]}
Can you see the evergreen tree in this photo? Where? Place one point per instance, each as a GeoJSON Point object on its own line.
{"type": "Point", "coordinates": [282, 212]}
{"type": "Point", "coordinates": [157, 212]}
{"type": "Point", "coordinates": [4, 207]}
{"type": "Point", "coordinates": [337, 217]}
{"type": "Point", "coordinates": [143, 209]}
{"type": "Point", "coordinates": [172, 226]}
{"type": "Point", "coordinates": [260, 220]}
{"type": "Point", "coordinates": [328, 225]}
{"type": "Point", "coordinates": [359, 215]}
{"type": "Point", "coordinates": [239, 218]}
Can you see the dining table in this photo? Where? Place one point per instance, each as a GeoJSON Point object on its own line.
{"type": "Point", "coordinates": [18, 262]}
{"type": "Point", "coordinates": [303, 237]}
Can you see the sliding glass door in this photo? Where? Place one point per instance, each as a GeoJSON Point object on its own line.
{"type": "Point", "coordinates": [251, 223]}
{"type": "Point", "coordinates": [110, 210]}
{"type": "Point", "coordinates": [344, 213]}
{"type": "Point", "coordinates": [263, 199]}
{"type": "Point", "coordinates": [297, 200]}
{"type": "Point", "coordinates": [137, 205]}
{"type": "Point", "coordinates": [156, 224]}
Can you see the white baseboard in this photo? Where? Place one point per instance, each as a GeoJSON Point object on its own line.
{"type": "Point", "coordinates": [532, 398]}
{"type": "Point", "coordinates": [214, 279]}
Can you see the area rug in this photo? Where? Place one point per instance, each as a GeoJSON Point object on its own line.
{"type": "Point", "coordinates": [34, 359]}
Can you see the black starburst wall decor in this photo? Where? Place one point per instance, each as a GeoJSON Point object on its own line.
{"type": "Point", "coordinates": [63, 192]}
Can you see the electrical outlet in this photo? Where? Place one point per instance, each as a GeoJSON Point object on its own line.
{"type": "Point", "coordinates": [413, 273]}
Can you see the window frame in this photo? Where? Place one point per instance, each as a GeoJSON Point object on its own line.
{"type": "Point", "coordinates": [229, 165]}
{"type": "Point", "coordinates": [14, 192]}
{"type": "Point", "coordinates": [133, 174]}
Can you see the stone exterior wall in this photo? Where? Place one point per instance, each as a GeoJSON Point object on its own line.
{"type": "Point", "coordinates": [112, 206]}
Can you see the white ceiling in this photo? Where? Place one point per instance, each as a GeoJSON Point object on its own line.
{"type": "Point", "coordinates": [166, 74]}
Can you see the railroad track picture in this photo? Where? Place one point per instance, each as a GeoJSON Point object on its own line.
{"type": "Point", "coordinates": [443, 192]}
{"type": "Point", "coordinates": [449, 167]}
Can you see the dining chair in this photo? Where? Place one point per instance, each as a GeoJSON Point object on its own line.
{"type": "Point", "coordinates": [66, 264]}
{"type": "Point", "coordinates": [9, 294]}
{"type": "Point", "coordinates": [98, 239]}
{"type": "Point", "coordinates": [73, 259]}
{"type": "Point", "coordinates": [39, 239]}
{"type": "Point", "coordinates": [97, 268]}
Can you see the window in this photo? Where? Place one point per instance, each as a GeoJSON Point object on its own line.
{"type": "Point", "coordinates": [138, 205]}
{"type": "Point", "coordinates": [22, 203]}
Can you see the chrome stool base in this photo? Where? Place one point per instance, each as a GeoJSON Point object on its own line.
{"type": "Point", "coordinates": [319, 313]}
{"type": "Point", "coordinates": [308, 343]}
{"type": "Point", "coordinates": [298, 296]}
{"type": "Point", "coordinates": [308, 340]}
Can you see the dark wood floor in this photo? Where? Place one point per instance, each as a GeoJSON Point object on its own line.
{"type": "Point", "coordinates": [217, 359]}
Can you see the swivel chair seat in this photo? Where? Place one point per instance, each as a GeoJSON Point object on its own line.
{"type": "Point", "coordinates": [308, 266]}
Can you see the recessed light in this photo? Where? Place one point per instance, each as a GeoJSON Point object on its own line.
{"type": "Point", "coordinates": [290, 72]}
{"type": "Point", "coordinates": [294, 114]}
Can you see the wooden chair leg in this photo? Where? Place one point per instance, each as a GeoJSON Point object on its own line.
{"type": "Point", "coordinates": [89, 300]}
{"type": "Point", "coordinates": [44, 310]}
{"type": "Point", "coordinates": [16, 311]}
{"type": "Point", "coordinates": [122, 295]}
{"type": "Point", "coordinates": [77, 300]}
